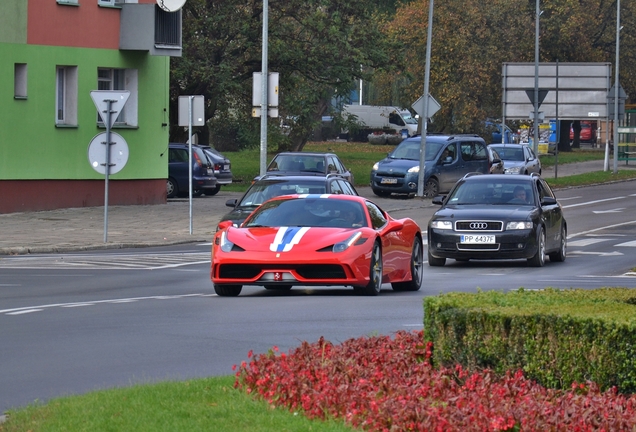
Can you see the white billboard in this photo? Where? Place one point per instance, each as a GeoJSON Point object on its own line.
{"type": "Point", "coordinates": [582, 90]}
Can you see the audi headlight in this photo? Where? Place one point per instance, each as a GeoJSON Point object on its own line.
{"type": "Point", "coordinates": [375, 166]}
{"type": "Point", "coordinates": [344, 245]}
{"type": "Point", "coordinates": [225, 244]}
{"type": "Point", "coordinates": [442, 224]}
{"type": "Point", "coordinates": [518, 225]}
{"type": "Point", "coordinates": [513, 170]}
{"type": "Point", "coordinates": [414, 169]}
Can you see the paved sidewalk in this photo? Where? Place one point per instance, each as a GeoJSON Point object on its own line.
{"type": "Point", "coordinates": [78, 229]}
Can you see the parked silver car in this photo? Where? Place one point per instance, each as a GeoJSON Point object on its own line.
{"type": "Point", "coordinates": [518, 158]}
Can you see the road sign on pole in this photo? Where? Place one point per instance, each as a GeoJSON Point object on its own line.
{"type": "Point", "coordinates": [433, 106]}
{"type": "Point", "coordinates": [117, 99]}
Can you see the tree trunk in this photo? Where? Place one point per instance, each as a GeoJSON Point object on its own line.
{"type": "Point", "coordinates": [576, 128]}
{"type": "Point", "coordinates": [564, 136]}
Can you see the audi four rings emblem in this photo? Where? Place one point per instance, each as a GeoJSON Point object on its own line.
{"type": "Point", "coordinates": [478, 225]}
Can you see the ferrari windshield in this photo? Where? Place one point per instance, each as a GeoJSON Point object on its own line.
{"type": "Point", "coordinates": [262, 191]}
{"type": "Point", "coordinates": [308, 212]}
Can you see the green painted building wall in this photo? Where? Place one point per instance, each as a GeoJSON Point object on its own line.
{"type": "Point", "coordinates": [32, 147]}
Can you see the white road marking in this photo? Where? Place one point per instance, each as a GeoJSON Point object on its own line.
{"type": "Point", "coordinates": [25, 311]}
{"type": "Point", "coordinates": [627, 244]}
{"type": "Point", "coordinates": [593, 202]}
{"type": "Point", "coordinates": [142, 261]}
{"type": "Point", "coordinates": [29, 309]}
{"type": "Point", "coordinates": [601, 228]}
{"type": "Point", "coordinates": [618, 210]}
{"type": "Point", "coordinates": [586, 241]}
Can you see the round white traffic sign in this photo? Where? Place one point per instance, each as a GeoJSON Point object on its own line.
{"type": "Point", "coordinates": [118, 153]}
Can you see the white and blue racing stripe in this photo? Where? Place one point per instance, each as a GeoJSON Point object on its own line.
{"type": "Point", "coordinates": [314, 196]}
{"type": "Point", "coordinates": [286, 238]}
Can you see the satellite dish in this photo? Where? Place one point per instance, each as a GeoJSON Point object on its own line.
{"type": "Point", "coordinates": [171, 5]}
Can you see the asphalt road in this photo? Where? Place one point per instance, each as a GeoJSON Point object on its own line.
{"type": "Point", "coordinates": [75, 322]}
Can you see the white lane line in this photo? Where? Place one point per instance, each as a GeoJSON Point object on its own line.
{"type": "Point", "coordinates": [25, 311]}
{"type": "Point", "coordinates": [601, 228]}
{"type": "Point", "coordinates": [586, 242]}
{"type": "Point", "coordinates": [593, 202]}
{"type": "Point", "coordinates": [28, 309]}
{"type": "Point", "coordinates": [627, 244]}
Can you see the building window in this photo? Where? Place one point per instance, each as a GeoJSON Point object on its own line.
{"type": "Point", "coordinates": [120, 79]}
{"type": "Point", "coordinates": [20, 81]}
{"type": "Point", "coordinates": [68, 2]}
{"type": "Point", "coordinates": [167, 28]}
{"type": "Point", "coordinates": [66, 95]}
{"type": "Point", "coordinates": [110, 2]}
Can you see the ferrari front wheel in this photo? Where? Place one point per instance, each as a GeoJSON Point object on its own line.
{"type": "Point", "coordinates": [417, 269]}
{"type": "Point", "coordinates": [228, 290]}
{"type": "Point", "coordinates": [375, 274]}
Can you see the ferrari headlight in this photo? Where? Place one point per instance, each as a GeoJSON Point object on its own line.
{"type": "Point", "coordinates": [513, 170]}
{"type": "Point", "coordinates": [518, 225]}
{"type": "Point", "coordinates": [224, 243]}
{"type": "Point", "coordinates": [344, 245]}
{"type": "Point", "coordinates": [375, 167]}
{"type": "Point", "coordinates": [414, 169]}
{"type": "Point", "coordinates": [442, 224]}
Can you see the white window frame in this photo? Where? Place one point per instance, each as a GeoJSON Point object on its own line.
{"type": "Point", "coordinates": [20, 81]}
{"type": "Point", "coordinates": [66, 95]}
{"type": "Point", "coordinates": [112, 2]}
{"type": "Point", "coordinates": [121, 79]}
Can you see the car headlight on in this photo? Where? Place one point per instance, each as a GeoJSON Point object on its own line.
{"type": "Point", "coordinates": [225, 244]}
{"type": "Point", "coordinates": [375, 167]}
{"type": "Point", "coordinates": [442, 224]}
{"type": "Point", "coordinates": [518, 225]}
{"type": "Point", "coordinates": [513, 170]}
{"type": "Point", "coordinates": [414, 169]}
{"type": "Point", "coordinates": [344, 245]}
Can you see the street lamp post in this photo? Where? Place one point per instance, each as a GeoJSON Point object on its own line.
{"type": "Point", "coordinates": [536, 81]}
{"type": "Point", "coordinates": [427, 73]}
{"type": "Point", "coordinates": [616, 84]}
{"type": "Point", "coordinates": [263, 155]}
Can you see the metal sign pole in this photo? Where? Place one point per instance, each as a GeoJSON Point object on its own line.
{"type": "Point", "coordinates": [107, 166]}
{"type": "Point", "coordinates": [427, 72]}
{"type": "Point", "coordinates": [190, 99]}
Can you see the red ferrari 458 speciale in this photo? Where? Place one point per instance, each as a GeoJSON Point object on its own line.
{"type": "Point", "coordinates": [318, 240]}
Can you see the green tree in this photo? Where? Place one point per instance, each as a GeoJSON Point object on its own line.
{"type": "Point", "coordinates": [317, 46]}
{"type": "Point", "coordinates": [472, 39]}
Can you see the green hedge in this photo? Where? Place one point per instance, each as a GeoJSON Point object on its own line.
{"type": "Point", "coordinates": [556, 337]}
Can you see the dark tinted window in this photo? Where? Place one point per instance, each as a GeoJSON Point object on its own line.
{"type": "Point", "coordinates": [473, 150]}
{"type": "Point", "coordinates": [377, 216]}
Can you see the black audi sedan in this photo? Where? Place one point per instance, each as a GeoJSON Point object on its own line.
{"type": "Point", "coordinates": [497, 216]}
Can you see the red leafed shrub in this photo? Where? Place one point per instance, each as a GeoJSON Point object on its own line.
{"type": "Point", "coordinates": [387, 384]}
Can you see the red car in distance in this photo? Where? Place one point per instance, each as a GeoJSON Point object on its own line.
{"type": "Point", "coordinates": [588, 132]}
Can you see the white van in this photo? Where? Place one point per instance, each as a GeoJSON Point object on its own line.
{"type": "Point", "coordinates": [383, 117]}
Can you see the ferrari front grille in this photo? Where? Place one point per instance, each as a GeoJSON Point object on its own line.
{"type": "Point", "coordinates": [307, 271]}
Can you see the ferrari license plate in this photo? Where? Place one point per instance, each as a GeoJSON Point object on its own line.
{"type": "Point", "coordinates": [477, 239]}
{"type": "Point", "coordinates": [388, 180]}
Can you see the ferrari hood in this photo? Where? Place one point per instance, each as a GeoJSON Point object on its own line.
{"type": "Point", "coordinates": [287, 239]}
